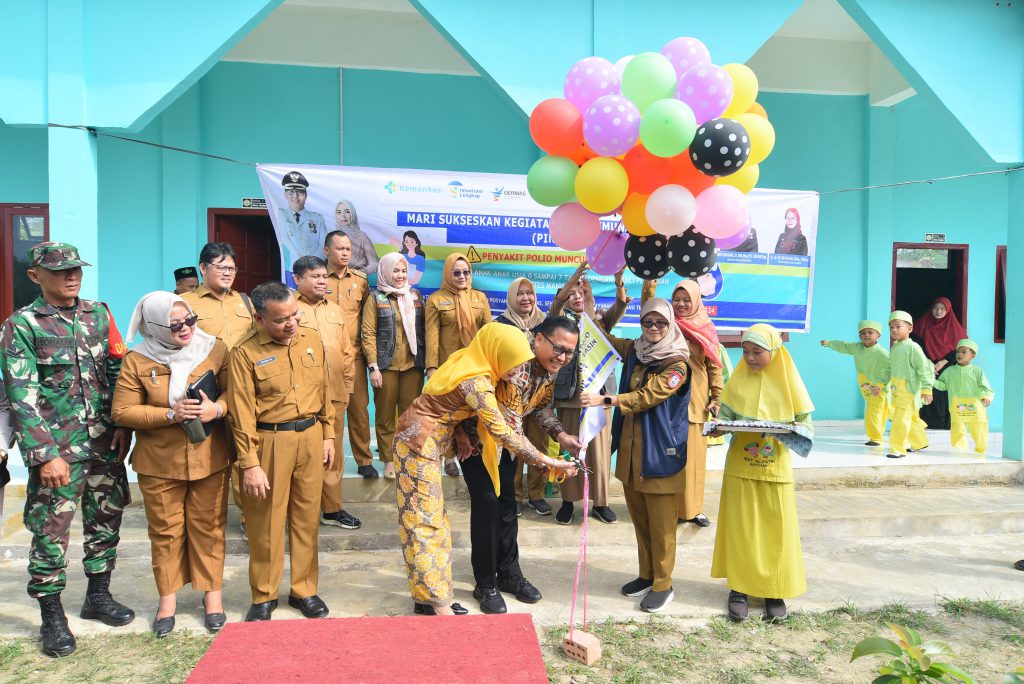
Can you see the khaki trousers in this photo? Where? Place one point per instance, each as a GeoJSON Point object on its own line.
{"type": "Point", "coordinates": [599, 460]}
{"type": "Point", "coordinates": [293, 462]}
{"type": "Point", "coordinates": [186, 530]}
{"type": "Point", "coordinates": [691, 500]}
{"type": "Point", "coordinates": [332, 499]}
{"type": "Point", "coordinates": [358, 416]}
{"type": "Point", "coordinates": [536, 479]}
{"type": "Point", "coordinates": [395, 396]}
{"type": "Point", "coordinates": [654, 522]}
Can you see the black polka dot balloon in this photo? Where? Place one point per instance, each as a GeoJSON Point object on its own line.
{"type": "Point", "coordinates": [720, 148]}
{"type": "Point", "coordinates": [692, 254]}
{"type": "Point", "coordinates": [647, 256]}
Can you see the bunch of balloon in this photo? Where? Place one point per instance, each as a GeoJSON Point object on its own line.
{"type": "Point", "coordinates": [668, 140]}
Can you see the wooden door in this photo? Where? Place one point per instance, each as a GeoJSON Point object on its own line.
{"type": "Point", "coordinates": [23, 226]}
{"type": "Point", "coordinates": [251, 233]}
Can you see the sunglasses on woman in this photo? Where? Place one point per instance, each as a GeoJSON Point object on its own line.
{"type": "Point", "coordinates": [176, 327]}
{"type": "Point", "coordinates": [651, 323]}
{"type": "Point", "coordinates": [460, 274]}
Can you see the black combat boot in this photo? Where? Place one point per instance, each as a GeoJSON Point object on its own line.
{"type": "Point", "coordinates": [57, 638]}
{"type": "Point", "coordinates": [100, 605]}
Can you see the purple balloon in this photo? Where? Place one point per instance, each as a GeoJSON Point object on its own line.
{"type": "Point", "coordinates": [707, 89]}
{"type": "Point", "coordinates": [686, 53]}
{"type": "Point", "coordinates": [611, 125]}
{"type": "Point", "coordinates": [589, 79]}
{"type": "Point", "coordinates": [734, 240]}
{"type": "Point", "coordinates": [607, 255]}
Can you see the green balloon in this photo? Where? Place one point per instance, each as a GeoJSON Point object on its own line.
{"type": "Point", "coordinates": [667, 127]}
{"type": "Point", "coordinates": [551, 181]}
{"type": "Point", "coordinates": [648, 77]}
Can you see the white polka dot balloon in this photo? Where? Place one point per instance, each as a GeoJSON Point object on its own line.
{"type": "Point", "coordinates": [686, 53]}
{"type": "Point", "coordinates": [707, 89]}
{"type": "Point", "coordinates": [720, 148]}
{"type": "Point", "coordinates": [647, 256]}
{"type": "Point", "coordinates": [611, 125]}
{"type": "Point", "coordinates": [692, 254]}
{"type": "Point", "coordinates": [589, 79]}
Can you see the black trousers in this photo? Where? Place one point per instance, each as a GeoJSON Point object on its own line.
{"type": "Point", "coordinates": [493, 525]}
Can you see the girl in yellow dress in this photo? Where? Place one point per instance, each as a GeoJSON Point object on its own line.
{"type": "Point", "coordinates": [757, 548]}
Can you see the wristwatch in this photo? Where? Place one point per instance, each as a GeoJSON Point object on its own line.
{"type": "Point", "coordinates": [607, 401]}
{"type": "Point", "coordinates": [170, 415]}
{"type": "Point", "coordinates": [372, 367]}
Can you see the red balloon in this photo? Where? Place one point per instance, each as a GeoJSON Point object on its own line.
{"type": "Point", "coordinates": [646, 172]}
{"type": "Point", "coordinates": [557, 127]}
{"type": "Point", "coordinates": [686, 174]}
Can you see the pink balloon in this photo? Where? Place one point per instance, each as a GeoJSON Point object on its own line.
{"type": "Point", "coordinates": [589, 79]}
{"type": "Point", "coordinates": [671, 209]}
{"type": "Point", "coordinates": [734, 240]}
{"type": "Point", "coordinates": [686, 53]}
{"type": "Point", "coordinates": [611, 125]}
{"type": "Point", "coordinates": [707, 89]}
{"type": "Point", "coordinates": [607, 255]}
{"type": "Point", "coordinates": [573, 228]}
{"type": "Point", "coordinates": [722, 211]}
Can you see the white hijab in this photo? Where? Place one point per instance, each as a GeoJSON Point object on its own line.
{"type": "Point", "coordinates": [151, 317]}
{"type": "Point", "coordinates": [406, 299]}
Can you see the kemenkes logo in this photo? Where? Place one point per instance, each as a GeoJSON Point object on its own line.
{"type": "Point", "coordinates": [390, 187]}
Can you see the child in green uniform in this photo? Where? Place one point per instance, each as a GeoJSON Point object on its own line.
{"type": "Point", "coordinates": [910, 376]}
{"type": "Point", "coordinates": [970, 394]}
{"type": "Point", "coordinates": [871, 361]}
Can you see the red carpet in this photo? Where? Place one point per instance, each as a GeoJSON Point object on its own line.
{"type": "Point", "coordinates": [462, 648]}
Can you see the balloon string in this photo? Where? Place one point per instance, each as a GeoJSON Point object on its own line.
{"type": "Point", "coordinates": [605, 245]}
{"type": "Point", "coordinates": [581, 560]}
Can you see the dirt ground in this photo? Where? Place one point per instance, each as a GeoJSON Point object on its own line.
{"type": "Point", "coordinates": [986, 636]}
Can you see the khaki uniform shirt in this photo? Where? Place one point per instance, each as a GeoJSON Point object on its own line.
{"type": "Point", "coordinates": [270, 382]}
{"type": "Point", "coordinates": [403, 358]}
{"type": "Point", "coordinates": [705, 382]}
{"type": "Point", "coordinates": [226, 319]}
{"type": "Point", "coordinates": [443, 325]}
{"type": "Point", "coordinates": [330, 322]}
{"type": "Point", "coordinates": [162, 448]}
{"type": "Point", "coordinates": [349, 292]}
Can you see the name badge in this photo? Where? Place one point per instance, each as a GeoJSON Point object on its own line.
{"type": "Point", "coordinates": [269, 359]}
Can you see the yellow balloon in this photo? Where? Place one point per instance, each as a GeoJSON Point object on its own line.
{"type": "Point", "coordinates": [634, 215]}
{"type": "Point", "coordinates": [744, 89]}
{"type": "Point", "coordinates": [601, 185]}
{"type": "Point", "coordinates": [745, 179]}
{"type": "Point", "coordinates": [762, 136]}
{"type": "Point", "coordinates": [758, 108]}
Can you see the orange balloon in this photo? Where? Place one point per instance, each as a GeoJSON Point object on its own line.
{"type": "Point", "coordinates": [756, 108]}
{"type": "Point", "coordinates": [582, 154]}
{"type": "Point", "coordinates": [646, 172]}
{"type": "Point", "coordinates": [634, 215]}
{"type": "Point", "coordinates": [684, 173]}
{"type": "Point", "coordinates": [556, 126]}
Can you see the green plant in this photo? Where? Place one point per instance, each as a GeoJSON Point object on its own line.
{"type": "Point", "coordinates": [912, 659]}
{"type": "Point", "coordinates": [1015, 677]}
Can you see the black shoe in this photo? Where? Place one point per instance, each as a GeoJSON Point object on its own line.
{"type": "Point", "coordinates": [163, 626]}
{"type": "Point", "coordinates": [368, 472]}
{"type": "Point", "coordinates": [100, 605]}
{"type": "Point", "coordinates": [519, 509]}
{"type": "Point", "coordinates": [637, 587]}
{"type": "Point", "coordinates": [1019, 565]}
{"type": "Point", "coordinates": [911, 451]}
{"type": "Point", "coordinates": [564, 514]}
{"type": "Point", "coordinates": [57, 638]}
{"type": "Point", "coordinates": [700, 520]}
{"type": "Point", "coordinates": [311, 606]}
{"type": "Point", "coordinates": [655, 601]}
{"type": "Point", "coordinates": [604, 514]}
{"type": "Point", "coordinates": [738, 609]}
{"type": "Point", "coordinates": [775, 610]}
{"type": "Point", "coordinates": [341, 519]}
{"type": "Point", "coordinates": [540, 505]}
{"type": "Point", "coordinates": [427, 609]}
{"type": "Point", "coordinates": [258, 612]}
{"type": "Point", "coordinates": [213, 621]}
{"type": "Point", "coordinates": [490, 600]}
{"type": "Point", "coordinates": [871, 442]}
{"type": "Point", "coordinates": [895, 455]}
{"type": "Point", "coordinates": [521, 587]}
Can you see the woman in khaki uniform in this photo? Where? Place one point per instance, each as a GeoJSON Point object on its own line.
{"type": "Point", "coordinates": [706, 384]}
{"type": "Point", "coordinates": [453, 315]}
{"type": "Point", "coordinates": [655, 372]}
{"type": "Point", "coordinates": [184, 485]}
{"type": "Point", "coordinates": [394, 350]}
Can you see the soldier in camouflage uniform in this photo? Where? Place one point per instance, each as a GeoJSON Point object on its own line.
{"type": "Point", "coordinates": [61, 356]}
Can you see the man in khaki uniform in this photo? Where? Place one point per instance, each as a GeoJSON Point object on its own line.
{"type": "Point", "coordinates": [282, 422]}
{"type": "Point", "coordinates": [348, 288]}
{"type": "Point", "coordinates": [328, 320]}
{"type": "Point", "coordinates": [224, 313]}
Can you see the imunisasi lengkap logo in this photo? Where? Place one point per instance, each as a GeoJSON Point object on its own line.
{"type": "Point", "coordinates": [460, 191]}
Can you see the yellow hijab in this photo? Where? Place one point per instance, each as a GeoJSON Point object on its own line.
{"type": "Point", "coordinates": [775, 393]}
{"type": "Point", "coordinates": [495, 350]}
{"type": "Point", "coordinates": [463, 298]}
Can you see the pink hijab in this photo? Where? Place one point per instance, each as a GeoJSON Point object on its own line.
{"type": "Point", "coordinates": [697, 325]}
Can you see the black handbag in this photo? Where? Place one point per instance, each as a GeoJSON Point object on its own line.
{"type": "Point", "coordinates": [196, 429]}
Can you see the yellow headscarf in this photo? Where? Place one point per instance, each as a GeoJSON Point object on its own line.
{"type": "Point", "coordinates": [463, 298]}
{"type": "Point", "coordinates": [775, 393]}
{"type": "Point", "coordinates": [495, 350]}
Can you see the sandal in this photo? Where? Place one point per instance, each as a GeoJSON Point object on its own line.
{"type": "Point", "coordinates": [451, 468]}
{"type": "Point", "coordinates": [738, 609]}
{"type": "Point", "coordinates": [389, 471]}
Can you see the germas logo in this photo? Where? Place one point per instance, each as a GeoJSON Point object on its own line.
{"type": "Point", "coordinates": [496, 193]}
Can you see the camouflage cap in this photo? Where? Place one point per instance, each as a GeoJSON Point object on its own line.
{"type": "Point", "coordinates": [55, 256]}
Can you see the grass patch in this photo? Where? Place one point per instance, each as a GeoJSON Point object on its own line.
{"type": "Point", "coordinates": [1010, 612]}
